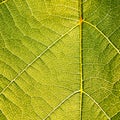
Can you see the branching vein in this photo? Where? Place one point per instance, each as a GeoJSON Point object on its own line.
{"type": "Point", "coordinates": [59, 105]}
{"type": "Point", "coordinates": [117, 50]}
{"type": "Point", "coordinates": [4, 1]}
{"type": "Point", "coordinates": [97, 104]}
{"type": "Point", "coordinates": [50, 46]}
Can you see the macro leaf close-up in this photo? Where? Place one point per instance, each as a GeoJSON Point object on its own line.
{"type": "Point", "coordinates": [59, 59]}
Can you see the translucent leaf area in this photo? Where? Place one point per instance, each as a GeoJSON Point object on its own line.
{"type": "Point", "coordinates": [59, 60]}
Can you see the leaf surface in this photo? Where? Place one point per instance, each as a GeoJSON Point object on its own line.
{"type": "Point", "coordinates": [59, 60]}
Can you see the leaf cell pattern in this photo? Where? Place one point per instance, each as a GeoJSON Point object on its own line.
{"type": "Point", "coordinates": [59, 60]}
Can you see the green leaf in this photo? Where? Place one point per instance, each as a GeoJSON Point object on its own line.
{"type": "Point", "coordinates": [59, 60]}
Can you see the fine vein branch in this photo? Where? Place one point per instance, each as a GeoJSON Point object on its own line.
{"type": "Point", "coordinates": [103, 35]}
{"type": "Point", "coordinates": [61, 103]}
{"type": "Point", "coordinates": [97, 104]}
{"type": "Point", "coordinates": [4, 1]}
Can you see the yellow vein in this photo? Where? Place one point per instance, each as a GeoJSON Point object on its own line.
{"type": "Point", "coordinates": [81, 84]}
{"type": "Point", "coordinates": [97, 104]}
{"type": "Point", "coordinates": [68, 97]}
{"type": "Point", "coordinates": [61, 103]}
{"type": "Point", "coordinates": [50, 46]}
{"type": "Point", "coordinates": [4, 1]}
{"type": "Point", "coordinates": [102, 35]}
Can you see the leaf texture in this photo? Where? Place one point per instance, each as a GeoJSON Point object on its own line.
{"type": "Point", "coordinates": [59, 60]}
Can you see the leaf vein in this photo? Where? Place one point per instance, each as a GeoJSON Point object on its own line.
{"type": "Point", "coordinates": [42, 53]}
{"type": "Point", "coordinates": [117, 50]}
{"type": "Point", "coordinates": [97, 104]}
{"type": "Point", "coordinates": [61, 103]}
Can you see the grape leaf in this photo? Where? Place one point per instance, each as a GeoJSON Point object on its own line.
{"type": "Point", "coordinates": [59, 60]}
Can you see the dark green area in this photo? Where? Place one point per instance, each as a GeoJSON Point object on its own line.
{"type": "Point", "coordinates": [2, 117]}
{"type": "Point", "coordinates": [116, 117]}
